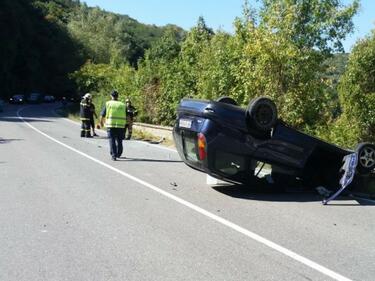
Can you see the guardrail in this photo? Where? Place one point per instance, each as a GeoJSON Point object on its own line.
{"type": "Point", "coordinates": [158, 131]}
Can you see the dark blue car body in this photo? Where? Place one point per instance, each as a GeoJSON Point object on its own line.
{"type": "Point", "coordinates": [17, 99]}
{"type": "Point", "coordinates": [215, 138]}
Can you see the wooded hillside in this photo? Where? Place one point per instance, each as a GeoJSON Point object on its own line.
{"type": "Point", "coordinates": [43, 41]}
{"type": "Point", "coordinates": [290, 51]}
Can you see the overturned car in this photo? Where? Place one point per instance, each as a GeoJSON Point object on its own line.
{"type": "Point", "coordinates": [229, 143]}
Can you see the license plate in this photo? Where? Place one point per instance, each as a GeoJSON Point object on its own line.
{"type": "Point", "coordinates": [185, 123]}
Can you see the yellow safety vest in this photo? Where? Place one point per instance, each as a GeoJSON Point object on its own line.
{"type": "Point", "coordinates": [115, 114]}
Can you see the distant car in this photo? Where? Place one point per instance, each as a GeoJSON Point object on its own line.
{"type": "Point", "coordinates": [17, 99]}
{"type": "Point", "coordinates": [229, 142]}
{"type": "Point", "coordinates": [49, 98]}
{"type": "Point", "coordinates": [35, 98]}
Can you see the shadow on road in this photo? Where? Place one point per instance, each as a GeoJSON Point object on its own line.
{"type": "Point", "coordinates": [148, 160]}
{"type": "Point", "coordinates": [272, 193]}
{"type": "Point", "coordinates": [4, 141]}
{"type": "Point", "coordinates": [267, 192]}
{"type": "Point", "coordinates": [27, 119]}
{"type": "Point", "coordinates": [31, 113]}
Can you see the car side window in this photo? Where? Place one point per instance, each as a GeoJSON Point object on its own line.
{"type": "Point", "coordinates": [229, 164]}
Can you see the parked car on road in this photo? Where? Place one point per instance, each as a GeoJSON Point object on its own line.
{"type": "Point", "coordinates": [17, 99]}
{"type": "Point", "coordinates": [35, 98]}
{"type": "Point", "coordinates": [228, 142]}
{"type": "Point", "coordinates": [49, 98]}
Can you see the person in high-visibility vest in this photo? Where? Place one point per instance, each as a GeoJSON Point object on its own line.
{"type": "Point", "coordinates": [115, 118]}
{"type": "Point", "coordinates": [84, 114]}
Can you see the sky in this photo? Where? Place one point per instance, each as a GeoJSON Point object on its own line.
{"type": "Point", "coordinates": [218, 14]}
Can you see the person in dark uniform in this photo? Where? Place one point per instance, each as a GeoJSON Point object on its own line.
{"type": "Point", "coordinates": [114, 115]}
{"type": "Point", "coordinates": [84, 114]}
{"type": "Point", "coordinates": [92, 116]}
{"type": "Point", "coordinates": [131, 112]}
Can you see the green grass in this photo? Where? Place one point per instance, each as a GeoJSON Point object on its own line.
{"type": "Point", "coordinates": [145, 136]}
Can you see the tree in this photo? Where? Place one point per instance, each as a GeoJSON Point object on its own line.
{"type": "Point", "coordinates": [216, 65]}
{"type": "Point", "coordinates": [37, 51]}
{"type": "Point", "coordinates": [112, 38]}
{"type": "Point", "coordinates": [310, 24]}
{"type": "Point", "coordinates": [284, 52]}
{"type": "Point", "coordinates": [357, 91]}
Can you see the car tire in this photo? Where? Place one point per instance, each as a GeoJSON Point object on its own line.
{"type": "Point", "coordinates": [227, 100]}
{"type": "Point", "coordinates": [261, 114]}
{"type": "Point", "coordinates": [366, 158]}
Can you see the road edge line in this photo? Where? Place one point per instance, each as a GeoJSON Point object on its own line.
{"type": "Point", "coordinates": [202, 211]}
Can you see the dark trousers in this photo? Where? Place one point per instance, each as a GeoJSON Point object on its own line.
{"type": "Point", "coordinates": [116, 136]}
{"type": "Point", "coordinates": [85, 128]}
{"type": "Point", "coordinates": [92, 123]}
{"type": "Point", "coordinates": [129, 128]}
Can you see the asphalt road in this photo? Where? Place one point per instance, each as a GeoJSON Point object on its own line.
{"type": "Point", "coordinates": [67, 212]}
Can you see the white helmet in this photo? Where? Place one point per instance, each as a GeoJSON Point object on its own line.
{"type": "Point", "coordinates": [87, 96]}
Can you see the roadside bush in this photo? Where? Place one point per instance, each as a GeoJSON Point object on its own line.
{"type": "Point", "coordinates": [357, 90]}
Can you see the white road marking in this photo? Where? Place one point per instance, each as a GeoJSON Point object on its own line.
{"type": "Point", "coordinates": [233, 226]}
{"type": "Point", "coordinates": [27, 118]}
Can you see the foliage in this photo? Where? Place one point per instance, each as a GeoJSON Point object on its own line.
{"type": "Point", "coordinates": [284, 54]}
{"type": "Point", "coordinates": [280, 51]}
{"type": "Point", "coordinates": [216, 68]}
{"type": "Point", "coordinates": [284, 49]}
{"type": "Point", "coordinates": [45, 40]}
{"type": "Point", "coordinates": [310, 24]}
{"type": "Point", "coordinates": [36, 51]}
{"type": "Point", "coordinates": [112, 38]}
{"type": "Point", "coordinates": [357, 90]}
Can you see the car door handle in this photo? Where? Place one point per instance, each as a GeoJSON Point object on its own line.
{"type": "Point", "coordinates": [209, 109]}
{"type": "Point", "coordinates": [235, 165]}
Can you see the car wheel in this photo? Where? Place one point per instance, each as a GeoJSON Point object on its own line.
{"type": "Point", "coordinates": [261, 114]}
{"type": "Point", "coordinates": [227, 100]}
{"type": "Point", "coordinates": [366, 158]}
